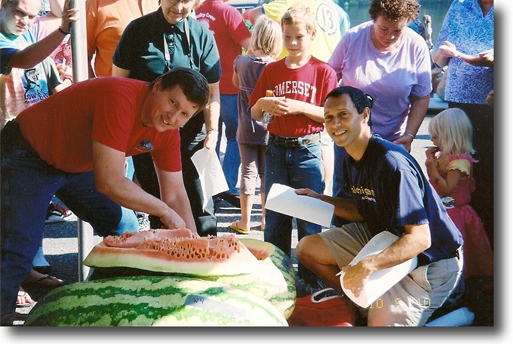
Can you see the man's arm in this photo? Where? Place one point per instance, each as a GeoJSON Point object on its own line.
{"type": "Point", "coordinates": [253, 14]}
{"type": "Point", "coordinates": [344, 207]}
{"type": "Point", "coordinates": [245, 43]}
{"type": "Point", "coordinates": [212, 112]}
{"type": "Point", "coordinates": [109, 179]}
{"type": "Point", "coordinates": [37, 52]}
{"type": "Point", "coordinates": [416, 240]}
{"type": "Point", "coordinates": [172, 191]}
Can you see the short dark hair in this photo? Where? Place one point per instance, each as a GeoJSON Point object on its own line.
{"type": "Point", "coordinates": [360, 100]}
{"type": "Point", "coordinates": [394, 10]}
{"type": "Point", "coordinates": [193, 84]}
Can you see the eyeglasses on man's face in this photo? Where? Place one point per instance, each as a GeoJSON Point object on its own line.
{"type": "Point", "coordinates": [176, 2]}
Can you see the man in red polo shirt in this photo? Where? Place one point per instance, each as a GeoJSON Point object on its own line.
{"type": "Point", "coordinates": [74, 143]}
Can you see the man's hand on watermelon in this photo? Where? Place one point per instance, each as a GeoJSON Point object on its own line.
{"type": "Point", "coordinates": [172, 220]}
{"type": "Point", "coordinates": [174, 195]}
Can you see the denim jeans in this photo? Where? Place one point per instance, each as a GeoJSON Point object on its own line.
{"type": "Point", "coordinates": [28, 185]}
{"type": "Point", "coordinates": [231, 161]}
{"type": "Point", "coordinates": [299, 167]}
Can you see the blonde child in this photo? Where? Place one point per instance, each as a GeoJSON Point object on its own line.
{"type": "Point", "coordinates": [450, 170]}
{"type": "Point", "coordinates": [265, 45]}
{"type": "Point", "coordinates": [293, 157]}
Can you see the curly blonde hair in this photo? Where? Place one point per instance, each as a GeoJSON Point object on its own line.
{"type": "Point", "coordinates": [394, 10]}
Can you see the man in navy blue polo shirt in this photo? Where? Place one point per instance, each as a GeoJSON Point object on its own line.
{"type": "Point", "coordinates": [389, 193]}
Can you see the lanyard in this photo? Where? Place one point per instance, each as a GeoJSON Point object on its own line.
{"type": "Point", "coordinates": [167, 47]}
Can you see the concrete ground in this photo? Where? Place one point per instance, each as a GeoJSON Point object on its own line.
{"type": "Point", "coordinates": [60, 243]}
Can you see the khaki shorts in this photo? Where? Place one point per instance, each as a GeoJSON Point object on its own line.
{"type": "Point", "coordinates": [411, 301]}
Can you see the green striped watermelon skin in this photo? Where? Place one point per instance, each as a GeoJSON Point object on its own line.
{"type": "Point", "coordinates": [152, 301]}
{"type": "Point", "coordinates": [274, 279]}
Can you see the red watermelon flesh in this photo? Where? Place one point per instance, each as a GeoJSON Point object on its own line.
{"type": "Point", "coordinates": [174, 251]}
{"type": "Point", "coordinates": [134, 239]}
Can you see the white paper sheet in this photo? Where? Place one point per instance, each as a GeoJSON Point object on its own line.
{"type": "Point", "coordinates": [283, 199]}
{"type": "Point", "coordinates": [210, 174]}
{"type": "Point", "coordinates": [380, 281]}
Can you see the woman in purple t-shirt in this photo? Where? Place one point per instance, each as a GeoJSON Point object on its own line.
{"type": "Point", "coordinates": [391, 62]}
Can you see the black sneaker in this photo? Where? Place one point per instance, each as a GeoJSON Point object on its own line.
{"type": "Point", "coordinates": [233, 199]}
{"type": "Point", "coordinates": [57, 213]}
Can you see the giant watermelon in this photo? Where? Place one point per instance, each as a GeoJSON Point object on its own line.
{"type": "Point", "coordinates": [152, 301]}
{"type": "Point", "coordinates": [173, 251]}
{"type": "Point", "coordinates": [273, 278]}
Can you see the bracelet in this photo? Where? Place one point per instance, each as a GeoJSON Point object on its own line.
{"type": "Point", "coordinates": [67, 77]}
{"type": "Point", "coordinates": [210, 130]}
{"type": "Point", "coordinates": [62, 31]}
{"type": "Point", "coordinates": [410, 135]}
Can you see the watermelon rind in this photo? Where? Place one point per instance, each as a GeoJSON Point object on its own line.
{"type": "Point", "coordinates": [152, 301]}
{"type": "Point", "coordinates": [260, 249]}
{"type": "Point", "coordinates": [279, 290]}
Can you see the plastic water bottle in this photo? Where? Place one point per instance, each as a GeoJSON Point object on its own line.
{"type": "Point", "coordinates": [267, 118]}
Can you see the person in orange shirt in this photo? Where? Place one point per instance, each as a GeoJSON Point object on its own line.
{"type": "Point", "coordinates": [106, 21]}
